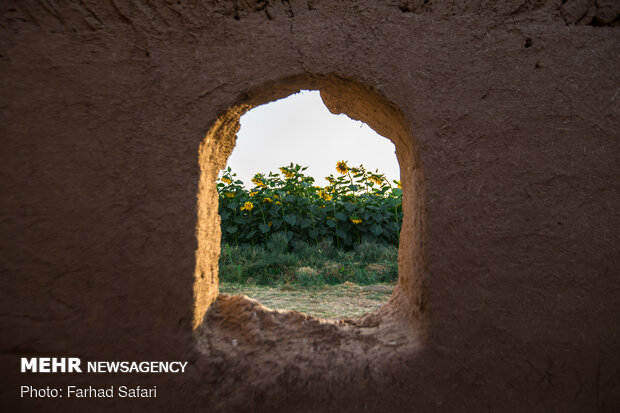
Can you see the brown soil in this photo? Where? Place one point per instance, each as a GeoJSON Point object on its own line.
{"type": "Point", "coordinates": [245, 345]}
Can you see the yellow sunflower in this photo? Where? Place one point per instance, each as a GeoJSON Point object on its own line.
{"type": "Point", "coordinates": [229, 194]}
{"type": "Point", "coordinates": [253, 193]}
{"type": "Point", "coordinates": [356, 220]}
{"type": "Point", "coordinates": [258, 180]}
{"type": "Point", "coordinates": [226, 180]}
{"type": "Point", "coordinates": [374, 178]}
{"type": "Point", "coordinates": [342, 167]}
{"type": "Point", "coordinates": [269, 200]}
{"type": "Point", "coordinates": [248, 206]}
{"type": "Point", "coordinates": [286, 173]}
{"type": "Point", "coordinates": [324, 195]}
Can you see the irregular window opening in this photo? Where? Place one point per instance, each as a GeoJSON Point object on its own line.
{"type": "Point", "coordinates": [340, 95]}
{"type": "Point", "coordinates": [311, 210]}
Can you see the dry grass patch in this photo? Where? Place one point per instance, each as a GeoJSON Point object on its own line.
{"type": "Point", "coordinates": [345, 300]}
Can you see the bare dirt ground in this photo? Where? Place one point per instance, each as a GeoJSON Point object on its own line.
{"type": "Point", "coordinates": [346, 300]}
{"type": "Point", "coordinates": [243, 344]}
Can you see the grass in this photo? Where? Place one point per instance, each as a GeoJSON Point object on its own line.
{"type": "Point", "coordinates": [328, 301]}
{"type": "Point", "coordinates": [281, 262]}
{"type": "Point", "coordinates": [316, 279]}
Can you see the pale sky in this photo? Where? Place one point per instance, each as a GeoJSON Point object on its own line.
{"type": "Point", "coordinates": [300, 129]}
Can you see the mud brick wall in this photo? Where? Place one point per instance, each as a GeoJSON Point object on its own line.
{"type": "Point", "coordinates": [505, 117]}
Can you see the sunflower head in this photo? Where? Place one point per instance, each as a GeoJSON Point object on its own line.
{"type": "Point", "coordinates": [324, 195]}
{"type": "Point", "coordinates": [342, 167]}
{"type": "Point", "coordinates": [268, 200]}
{"type": "Point", "coordinates": [248, 206]}
{"type": "Point", "coordinates": [288, 174]}
{"type": "Point", "coordinates": [229, 194]}
{"type": "Point", "coordinates": [258, 180]}
{"type": "Point", "coordinates": [226, 180]}
{"type": "Point", "coordinates": [376, 179]}
{"type": "Point", "coordinates": [253, 193]}
{"type": "Point", "coordinates": [356, 220]}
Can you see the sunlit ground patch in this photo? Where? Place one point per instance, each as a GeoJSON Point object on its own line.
{"type": "Point", "coordinates": [345, 300]}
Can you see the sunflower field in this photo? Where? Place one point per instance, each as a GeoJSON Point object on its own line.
{"type": "Point", "coordinates": [357, 206]}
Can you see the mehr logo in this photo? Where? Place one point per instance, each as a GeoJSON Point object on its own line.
{"type": "Point", "coordinates": [72, 365]}
{"type": "Point", "coordinates": [51, 365]}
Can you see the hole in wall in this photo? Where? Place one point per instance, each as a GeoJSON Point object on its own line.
{"type": "Point", "coordinates": [243, 343]}
{"type": "Point", "coordinates": [340, 95]}
{"type": "Point", "coordinates": [303, 229]}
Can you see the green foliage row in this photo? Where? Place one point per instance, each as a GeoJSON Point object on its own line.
{"type": "Point", "coordinates": [278, 263]}
{"type": "Point", "coordinates": [356, 206]}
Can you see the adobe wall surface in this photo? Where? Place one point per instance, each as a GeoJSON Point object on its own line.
{"type": "Point", "coordinates": [513, 111]}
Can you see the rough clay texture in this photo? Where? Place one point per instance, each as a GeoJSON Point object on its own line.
{"type": "Point", "coordinates": [116, 115]}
